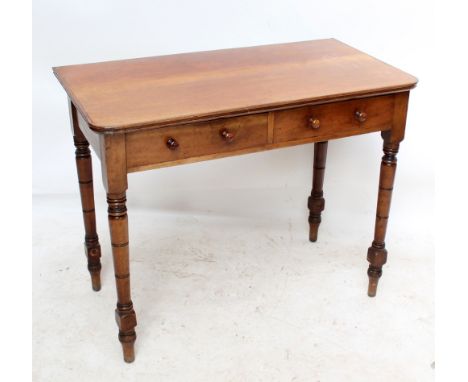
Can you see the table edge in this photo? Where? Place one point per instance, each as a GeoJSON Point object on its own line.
{"type": "Point", "coordinates": [235, 112]}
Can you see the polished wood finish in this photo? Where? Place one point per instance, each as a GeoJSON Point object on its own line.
{"type": "Point", "coordinates": [85, 180]}
{"type": "Point", "coordinates": [124, 313]}
{"type": "Point", "coordinates": [377, 253]}
{"type": "Point", "coordinates": [257, 132]}
{"type": "Point", "coordinates": [361, 116]}
{"type": "Point", "coordinates": [196, 141]}
{"type": "Point", "coordinates": [164, 111]}
{"type": "Point", "coordinates": [335, 120]}
{"type": "Point", "coordinates": [172, 144]}
{"type": "Point", "coordinates": [114, 168]}
{"type": "Point", "coordinates": [314, 123]}
{"type": "Point", "coordinates": [157, 91]}
{"type": "Point", "coordinates": [316, 202]}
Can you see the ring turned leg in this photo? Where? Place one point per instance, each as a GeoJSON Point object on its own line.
{"type": "Point", "coordinates": [124, 314]}
{"type": "Point", "coordinates": [377, 254]}
{"type": "Point", "coordinates": [85, 179]}
{"type": "Point", "coordinates": [316, 202]}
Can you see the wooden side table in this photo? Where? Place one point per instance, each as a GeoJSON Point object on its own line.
{"type": "Point", "coordinates": [146, 113]}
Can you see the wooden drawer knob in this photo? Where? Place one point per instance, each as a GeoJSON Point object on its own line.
{"type": "Point", "coordinates": [172, 144]}
{"type": "Point", "coordinates": [360, 116]}
{"type": "Point", "coordinates": [314, 123]}
{"type": "Point", "coordinates": [227, 135]}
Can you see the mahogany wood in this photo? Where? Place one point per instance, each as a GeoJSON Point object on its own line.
{"type": "Point", "coordinates": [360, 115]}
{"type": "Point", "coordinates": [151, 147]}
{"type": "Point", "coordinates": [162, 111]}
{"type": "Point", "coordinates": [85, 180]}
{"type": "Point", "coordinates": [316, 202]}
{"type": "Point", "coordinates": [377, 253]}
{"type": "Point", "coordinates": [202, 141]}
{"type": "Point", "coordinates": [114, 171]}
{"type": "Point", "coordinates": [157, 91]}
{"type": "Point", "coordinates": [124, 313]}
{"type": "Point", "coordinates": [314, 123]}
{"type": "Point", "coordinates": [336, 120]}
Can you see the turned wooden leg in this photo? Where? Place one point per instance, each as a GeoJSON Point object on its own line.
{"type": "Point", "coordinates": [377, 254]}
{"type": "Point", "coordinates": [316, 202]}
{"type": "Point", "coordinates": [85, 179]}
{"type": "Point", "coordinates": [124, 314]}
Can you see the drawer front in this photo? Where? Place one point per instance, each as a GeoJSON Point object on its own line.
{"type": "Point", "coordinates": [177, 143]}
{"type": "Point", "coordinates": [334, 120]}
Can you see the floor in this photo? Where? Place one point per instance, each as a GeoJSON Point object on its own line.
{"type": "Point", "coordinates": [237, 294]}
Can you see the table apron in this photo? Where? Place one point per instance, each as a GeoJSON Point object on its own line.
{"type": "Point", "coordinates": [188, 143]}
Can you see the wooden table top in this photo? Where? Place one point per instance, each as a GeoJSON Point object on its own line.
{"type": "Point", "coordinates": [157, 91]}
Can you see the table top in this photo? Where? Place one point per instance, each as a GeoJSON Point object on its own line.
{"type": "Point", "coordinates": [157, 91]}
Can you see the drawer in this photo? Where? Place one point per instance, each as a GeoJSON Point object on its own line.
{"type": "Point", "coordinates": [180, 143]}
{"type": "Point", "coordinates": [334, 120]}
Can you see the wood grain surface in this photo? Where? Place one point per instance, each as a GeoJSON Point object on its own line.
{"type": "Point", "coordinates": [336, 119]}
{"type": "Point", "coordinates": [195, 140]}
{"type": "Point", "coordinates": [159, 91]}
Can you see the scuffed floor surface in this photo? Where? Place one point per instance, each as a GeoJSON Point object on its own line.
{"type": "Point", "coordinates": [236, 293]}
